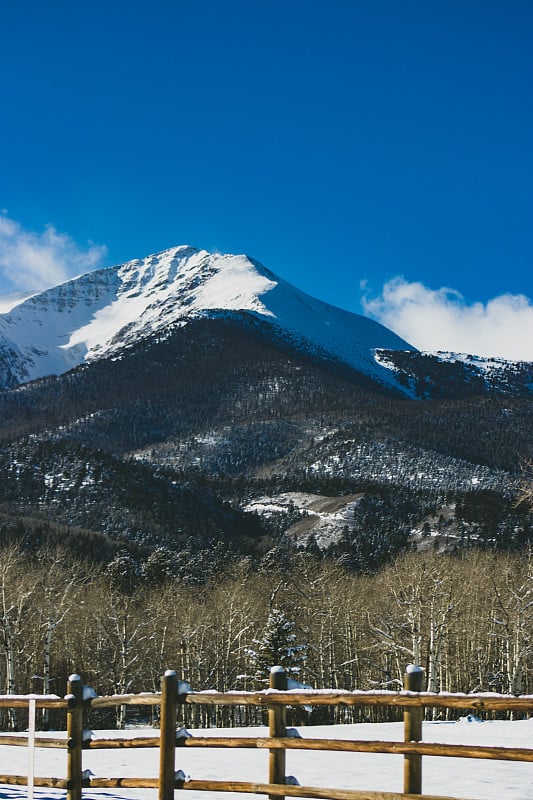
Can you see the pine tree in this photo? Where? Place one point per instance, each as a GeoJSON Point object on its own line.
{"type": "Point", "coordinates": [277, 647]}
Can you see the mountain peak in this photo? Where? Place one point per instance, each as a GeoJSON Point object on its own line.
{"type": "Point", "coordinates": [101, 312]}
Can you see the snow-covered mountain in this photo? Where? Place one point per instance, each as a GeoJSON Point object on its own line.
{"type": "Point", "coordinates": [206, 380]}
{"type": "Point", "coordinates": [99, 313]}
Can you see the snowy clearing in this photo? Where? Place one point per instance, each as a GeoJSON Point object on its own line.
{"type": "Point", "coordinates": [465, 778]}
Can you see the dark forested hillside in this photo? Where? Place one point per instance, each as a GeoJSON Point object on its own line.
{"type": "Point", "coordinates": [430, 375]}
{"type": "Point", "coordinates": [190, 438]}
{"type": "Point", "coordinates": [197, 375]}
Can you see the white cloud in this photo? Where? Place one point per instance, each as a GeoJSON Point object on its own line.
{"type": "Point", "coordinates": [9, 301]}
{"type": "Point", "coordinates": [33, 261]}
{"type": "Point", "coordinates": [442, 320]}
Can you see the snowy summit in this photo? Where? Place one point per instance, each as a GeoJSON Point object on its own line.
{"type": "Point", "coordinates": [101, 312]}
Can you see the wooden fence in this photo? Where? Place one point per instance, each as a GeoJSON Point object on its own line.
{"type": "Point", "coordinates": [276, 699]}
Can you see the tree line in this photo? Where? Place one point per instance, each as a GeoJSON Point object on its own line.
{"type": "Point", "coordinates": [467, 619]}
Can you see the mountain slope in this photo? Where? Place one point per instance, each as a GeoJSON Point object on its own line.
{"type": "Point", "coordinates": [224, 407]}
{"type": "Point", "coordinates": [438, 375]}
{"type": "Point", "coordinates": [48, 479]}
{"type": "Point", "coordinates": [198, 399]}
{"type": "Point", "coordinates": [99, 313]}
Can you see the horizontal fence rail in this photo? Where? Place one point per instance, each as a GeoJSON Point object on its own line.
{"type": "Point", "coordinates": [403, 699]}
{"type": "Point", "coordinates": [41, 701]}
{"type": "Point", "coordinates": [277, 743]}
{"type": "Point", "coordinates": [490, 752]}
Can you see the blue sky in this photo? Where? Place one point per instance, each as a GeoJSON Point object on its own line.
{"type": "Point", "coordinates": [376, 154]}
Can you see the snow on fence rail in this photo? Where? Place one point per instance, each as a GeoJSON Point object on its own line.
{"type": "Point", "coordinates": [280, 739]}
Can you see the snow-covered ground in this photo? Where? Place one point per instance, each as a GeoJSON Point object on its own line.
{"type": "Point", "coordinates": [465, 778]}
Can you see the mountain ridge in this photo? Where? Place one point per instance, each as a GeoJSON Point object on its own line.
{"type": "Point", "coordinates": [100, 312]}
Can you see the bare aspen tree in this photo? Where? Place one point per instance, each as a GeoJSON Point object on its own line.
{"type": "Point", "coordinates": [16, 589]}
{"type": "Point", "coordinates": [513, 619]}
{"type": "Point", "coordinates": [122, 626]}
{"type": "Point", "coordinates": [57, 590]}
{"type": "Point", "coordinates": [424, 602]}
{"type": "Point", "coordinates": [525, 492]}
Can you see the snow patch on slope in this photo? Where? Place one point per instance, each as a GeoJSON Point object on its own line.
{"type": "Point", "coordinates": [322, 518]}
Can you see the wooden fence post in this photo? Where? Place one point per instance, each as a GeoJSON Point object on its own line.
{"type": "Point", "coordinates": [412, 720]}
{"type": "Point", "coordinates": [277, 728]}
{"type": "Point", "coordinates": [167, 735]}
{"type": "Point", "coordinates": [74, 737]}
